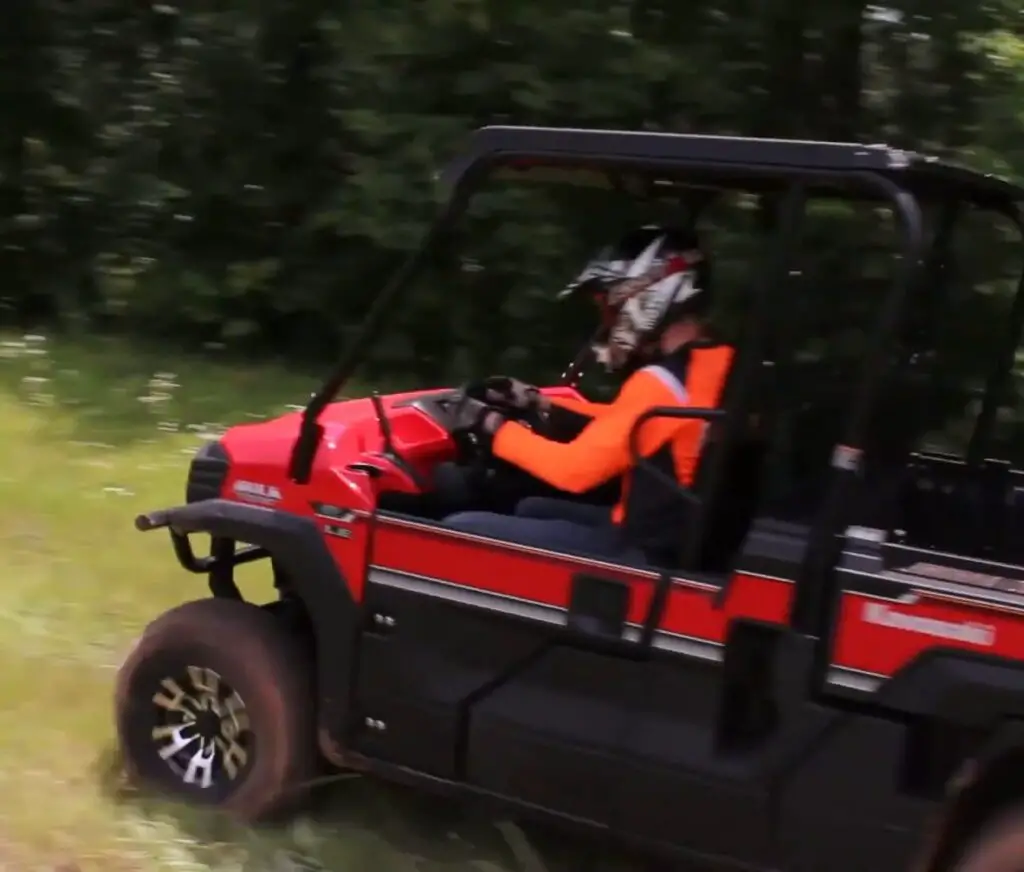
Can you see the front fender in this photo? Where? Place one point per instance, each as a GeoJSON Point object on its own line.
{"type": "Point", "coordinates": [295, 544]}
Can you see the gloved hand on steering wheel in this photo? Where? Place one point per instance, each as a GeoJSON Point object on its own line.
{"type": "Point", "coordinates": [514, 394]}
{"type": "Point", "coordinates": [478, 420]}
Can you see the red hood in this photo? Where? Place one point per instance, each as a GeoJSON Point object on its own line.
{"type": "Point", "coordinates": [350, 427]}
{"type": "Point", "coordinates": [260, 452]}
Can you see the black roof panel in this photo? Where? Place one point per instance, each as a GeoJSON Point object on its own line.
{"type": "Point", "coordinates": [719, 154]}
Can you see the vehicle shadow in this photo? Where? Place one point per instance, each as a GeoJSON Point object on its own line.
{"type": "Point", "coordinates": [359, 823]}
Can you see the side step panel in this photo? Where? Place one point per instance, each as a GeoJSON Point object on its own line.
{"type": "Point", "coordinates": [677, 787]}
{"type": "Point", "coordinates": [708, 742]}
{"type": "Point", "coordinates": [550, 735]}
{"type": "Point", "coordinates": [851, 791]}
{"type": "Point", "coordinates": [421, 661]}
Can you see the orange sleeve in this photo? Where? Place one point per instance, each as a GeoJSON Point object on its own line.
{"type": "Point", "coordinates": [598, 454]}
{"type": "Point", "coordinates": [581, 407]}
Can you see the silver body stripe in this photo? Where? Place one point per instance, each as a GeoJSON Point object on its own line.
{"type": "Point", "coordinates": [701, 649]}
{"type": "Point", "coordinates": [582, 561]}
{"type": "Point", "coordinates": [855, 679]}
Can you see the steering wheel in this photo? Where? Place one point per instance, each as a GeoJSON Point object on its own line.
{"type": "Point", "coordinates": [486, 476]}
{"type": "Point", "coordinates": [498, 385]}
{"type": "Point", "coordinates": [473, 449]}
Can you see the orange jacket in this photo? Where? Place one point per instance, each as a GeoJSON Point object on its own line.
{"type": "Point", "coordinates": [601, 451]}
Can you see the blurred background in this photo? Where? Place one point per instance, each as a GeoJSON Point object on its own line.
{"type": "Point", "coordinates": [248, 175]}
{"type": "Point", "coordinates": [197, 206]}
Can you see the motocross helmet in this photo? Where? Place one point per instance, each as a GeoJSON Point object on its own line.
{"type": "Point", "coordinates": [651, 277]}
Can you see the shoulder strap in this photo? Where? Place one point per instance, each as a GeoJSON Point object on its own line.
{"type": "Point", "coordinates": [670, 380]}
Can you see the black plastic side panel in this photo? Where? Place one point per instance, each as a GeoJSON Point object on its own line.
{"type": "Point", "coordinates": [296, 544]}
{"type": "Point", "coordinates": [549, 737]}
{"type": "Point", "coordinates": [959, 687]}
{"type": "Point", "coordinates": [644, 745]}
{"type": "Point", "coordinates": [708, 743]}
{"type": "Point", "coordinates": [420, 661]}
{"type": "Point", "coordinates": [846, 809]}
{"type": "Point", "coordinates": [676, 788]}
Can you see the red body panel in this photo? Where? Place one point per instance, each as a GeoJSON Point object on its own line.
{"type": "Point", "coordinates": [544, 578]}
{"type": "Point", "coordinates": [880, 636]}
{"type": "Point", "coordinates": [866, 640]}
{"type": "Point", "coordinates": [260, 454]}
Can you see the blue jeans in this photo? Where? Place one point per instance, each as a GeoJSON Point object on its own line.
{"type": "Point", "coordinates": [555, 525]}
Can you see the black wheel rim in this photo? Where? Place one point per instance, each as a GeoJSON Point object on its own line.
{"type": "Point", "coordinates": [200, 730]}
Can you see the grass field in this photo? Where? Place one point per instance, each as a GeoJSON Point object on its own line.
{"type": "Point", "coordinates": [91, 434]}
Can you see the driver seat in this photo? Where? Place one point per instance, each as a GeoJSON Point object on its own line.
{"type": "Point", "coordinates": [718, 508]}
{"type": "Point", "coordinates": [728, 510]}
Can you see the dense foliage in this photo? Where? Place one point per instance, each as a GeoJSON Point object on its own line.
{"type": "Point", "coordinates": [250, 173]}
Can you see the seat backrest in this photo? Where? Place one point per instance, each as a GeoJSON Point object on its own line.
{"type": "Point", "coordinates": [713, 515]}
{"type": "Point", "coordinates": [729, 512]}
{"type": "Point", "coordinates": [670, 511]}
{"type": "Point", "coordinates": [730, 469]}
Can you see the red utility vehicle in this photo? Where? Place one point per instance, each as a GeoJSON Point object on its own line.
{"type": "Point", "coordinates": [829, 675]}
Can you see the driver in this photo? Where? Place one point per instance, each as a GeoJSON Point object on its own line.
{"type": "Point", "coordinates": [653, 288]}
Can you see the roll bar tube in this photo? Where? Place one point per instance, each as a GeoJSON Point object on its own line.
{"type": "Point", "coordinates": [908, 211]}
{"type": "Point", "coordinates": [303, 453]}
{"type": "Point", "coordinates": [1000, 380]}
{"type": "Point", "coordinates": [661, 588]}
{"type": "Point", "coordinates": [809, 611]}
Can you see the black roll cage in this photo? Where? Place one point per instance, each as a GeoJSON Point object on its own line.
{"type": "Point", "coordinates": [784, 174]}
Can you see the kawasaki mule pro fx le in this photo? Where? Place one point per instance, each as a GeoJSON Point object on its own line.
{"type": "Point", "coordinates": [828, 673]}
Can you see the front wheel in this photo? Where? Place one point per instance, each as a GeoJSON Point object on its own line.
{"type": "Point", "coordinates": [214, 705]}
